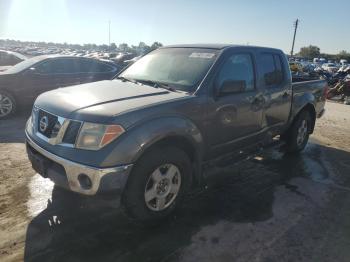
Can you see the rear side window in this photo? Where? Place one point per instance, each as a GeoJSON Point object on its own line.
{"type": "Point", "coordinates": [8, 59]}
{"type": "Point", "coordinates": [271, 67]}
{"type": "Point", "coordinates": [101, 67]}
{"type": "Point", "coordinates": [90, 66]}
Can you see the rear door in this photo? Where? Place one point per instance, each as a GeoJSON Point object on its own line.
{"type": "Point", "coordinates": [277, 89]}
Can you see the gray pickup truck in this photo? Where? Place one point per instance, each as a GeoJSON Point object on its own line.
{"type": "Point", "coordinates": [151, 133]}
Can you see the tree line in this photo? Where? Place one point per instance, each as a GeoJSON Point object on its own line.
{"type": "Point", "coordinates": [311, 52]}
{"type": "Point", "coordinates": [142, 47]}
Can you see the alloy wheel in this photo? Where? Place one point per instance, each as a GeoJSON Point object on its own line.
{"type": "Point", "coordinates": [162, 187]}
{"type": "Point", "coordinates": [6, 105]}
{"type": "Point", "coordinates": [302, 132]}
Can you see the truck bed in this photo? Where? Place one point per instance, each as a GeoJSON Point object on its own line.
{"type": "Point", "coordinates": [312, 90]}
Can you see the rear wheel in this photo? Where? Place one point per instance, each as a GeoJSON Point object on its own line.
{"type": "Point", "coordinates": [7, 104]}
{"type": "Point", "coordinates": [298, 134]}
{"type": "Point", "coordinates": [157, 184]}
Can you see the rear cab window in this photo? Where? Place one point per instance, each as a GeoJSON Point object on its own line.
{"type": "Point", "coordinates": [271, 69]}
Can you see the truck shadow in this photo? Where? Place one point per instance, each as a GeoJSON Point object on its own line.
{"type": "Point", "coordinates": [12, 129]}
{"type": "Point", "coordinates": [78, 228]}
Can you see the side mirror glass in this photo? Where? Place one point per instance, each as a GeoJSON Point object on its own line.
{"type": "Point", "coordinates": [232, 87]}
{"type": "Point", "coordinates": [31, 70]}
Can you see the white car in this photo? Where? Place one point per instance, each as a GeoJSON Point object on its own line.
{"type": "Point", "coordinates": [330, 67]}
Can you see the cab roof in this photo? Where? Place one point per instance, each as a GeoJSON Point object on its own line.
{"type": "Point", "coordinates": [218, 46]}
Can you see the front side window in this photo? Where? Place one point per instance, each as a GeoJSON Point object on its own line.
{"type": "Point", "coordinates": [180, 68]}
{"type": "Point", "coordinates": [238, 68]}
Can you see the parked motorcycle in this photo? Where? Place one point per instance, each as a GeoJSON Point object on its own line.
{"type": "Point", "coordinates": [342, 89]}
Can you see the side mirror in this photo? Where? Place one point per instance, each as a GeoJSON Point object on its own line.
{"type": "Point", "coordinates": [31, 70]}
{"type": "Point", "coordinates": [232, 87]}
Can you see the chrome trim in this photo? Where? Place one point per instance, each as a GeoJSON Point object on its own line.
{"type": "Point", "coordinates": [73, 170]}
{"type": "Point", "coordinates": [57, 140]}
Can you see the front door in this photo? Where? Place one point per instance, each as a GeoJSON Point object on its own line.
{"type": "Point", "coordinates": [235, 112]}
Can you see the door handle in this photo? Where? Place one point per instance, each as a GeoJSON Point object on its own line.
{"type": "Point", "coordinates": [285, 95]}
{"type": "Point", "coordinates": [258, 100]}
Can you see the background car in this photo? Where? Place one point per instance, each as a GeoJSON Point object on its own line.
{"type": "Point", "coordinates": [295, 66]}
{"type": "Point", "coordinates": [330, 67]}
{"type": "Point", "coordinates": [8, 59]}
{"type": "Point", "coordinates": [22, 83]}
{"type": "Point", "coordinates": [120, 58]}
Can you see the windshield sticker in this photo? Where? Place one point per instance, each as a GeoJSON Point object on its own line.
{"type": "Point", "coordinates": [202, 55]}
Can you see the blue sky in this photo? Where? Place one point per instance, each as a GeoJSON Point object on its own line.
{"type": "Point", "coordinates": [266, 23]}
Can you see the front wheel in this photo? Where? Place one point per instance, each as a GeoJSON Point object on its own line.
{"type": "Point", "coordinates": [7, 104]}
{"type": "Point", "coordinates": [157, 184]}
{"type": "Point", "coordinates": [298, 134]}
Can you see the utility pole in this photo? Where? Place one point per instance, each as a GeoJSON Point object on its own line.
{"type": "Point", "coordinates": [296, 23]}
{"type": "Point", "coordinates": [109, 34]}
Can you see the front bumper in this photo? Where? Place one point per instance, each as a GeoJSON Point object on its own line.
{"type": "Point", "coordinates": [67, 174]}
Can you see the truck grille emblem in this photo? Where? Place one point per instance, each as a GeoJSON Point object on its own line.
{"type": "Point", "coordinates": [44, 123]}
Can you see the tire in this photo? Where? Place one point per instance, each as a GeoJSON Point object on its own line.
{"type": "Point", "coordinates": [7, 105]}
{"type": "Point", "coordinates": [298, 134]}
{"type": "Point", "coordinates": [163, 175]}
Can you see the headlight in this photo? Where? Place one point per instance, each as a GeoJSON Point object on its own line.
{"type": "Point", "coordinates": [95, 136]}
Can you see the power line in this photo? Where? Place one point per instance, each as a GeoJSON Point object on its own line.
{"type": "Point", "coordinates": [296, 23]}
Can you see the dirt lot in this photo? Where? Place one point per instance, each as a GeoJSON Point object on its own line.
{"type": "Point", "coordinates": [272, 208]}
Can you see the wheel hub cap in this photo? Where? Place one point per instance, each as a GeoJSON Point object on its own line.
{"type": "Point", "coordinates": [162, 187]}
{"type": "Point", "coordinates": [5, 105]}
{"type": "Point", "coordinates": [302, 132]}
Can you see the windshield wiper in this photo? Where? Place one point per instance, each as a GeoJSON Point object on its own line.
{"type": "Point", "coordinates": [125, 79]}
{"type": "Point", "coordinates": [156, 84]}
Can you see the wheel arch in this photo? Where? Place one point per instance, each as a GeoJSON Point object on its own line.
{"type": "Point", "coordinates": [182, 142]}
{"type": "Point", "coordinates": [174, 131]}
{"type": "Point", "coordinates": [308, 107]}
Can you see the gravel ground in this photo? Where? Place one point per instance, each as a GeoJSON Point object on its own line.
{"type": "Point", "coordinates": [272, 208]}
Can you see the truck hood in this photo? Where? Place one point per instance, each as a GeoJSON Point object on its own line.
{"type": "Point", "coordinates": [100, 100]}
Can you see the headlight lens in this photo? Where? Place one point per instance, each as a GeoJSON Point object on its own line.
{"type": "Point", "coordinates": [95, 136]}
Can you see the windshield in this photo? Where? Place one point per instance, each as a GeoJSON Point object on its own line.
{"type": "Point", "coordinates": [180, 68]}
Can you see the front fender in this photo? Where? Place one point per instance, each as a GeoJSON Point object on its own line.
{"type": "Point", "coordinates": [142, 136]}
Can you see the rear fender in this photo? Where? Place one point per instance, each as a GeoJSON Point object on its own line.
{"type": "Point", "coordinates": [306, 101]}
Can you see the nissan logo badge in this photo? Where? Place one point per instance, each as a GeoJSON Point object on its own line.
{"type": "Point", "coordinates": [43, 124]}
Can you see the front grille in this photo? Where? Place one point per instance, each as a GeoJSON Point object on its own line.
{"type": "Point", "coordinates": [48, 124]}
{"type": "Point", "coordinates": [72, 132]}
{"type": "Point", "coordinates": [55, 130]}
